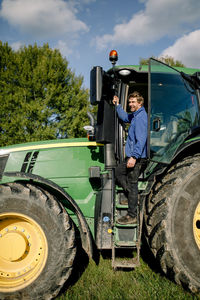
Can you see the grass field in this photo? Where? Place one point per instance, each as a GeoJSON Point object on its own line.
{"type": "Point", "coordinates": [100, 282]}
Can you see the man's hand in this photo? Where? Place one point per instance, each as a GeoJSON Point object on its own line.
{"type": "Point", "coordinates": [131, 162]}
{"type": "Point", "coordinates": [115, 100]}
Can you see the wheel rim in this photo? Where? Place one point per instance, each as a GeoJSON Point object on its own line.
{"type": "Point", "coordinates": [196, 225]}
{"type": "Point", "coordinates": [23, 251]}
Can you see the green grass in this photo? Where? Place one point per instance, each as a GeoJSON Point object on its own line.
{"type": "Point", "coordinates": [100, 282]}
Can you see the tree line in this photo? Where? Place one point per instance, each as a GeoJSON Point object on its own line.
{"type": "Point", "coordinates": [40, 97]}
{"type": "Point", "coordinates": [169, 60]}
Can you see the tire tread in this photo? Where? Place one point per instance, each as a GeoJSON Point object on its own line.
{"type": "Point", "coordinates": [157, 211]}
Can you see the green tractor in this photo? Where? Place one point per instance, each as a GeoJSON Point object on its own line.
{"type": "Point", "coordinates": [57, 195]}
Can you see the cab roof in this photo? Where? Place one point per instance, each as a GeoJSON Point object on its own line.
{"type": "Point", "coordinates": [144, 68]}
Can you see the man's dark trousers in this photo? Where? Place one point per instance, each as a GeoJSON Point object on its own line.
{"type": "Point", "coordinates": [127, 178]}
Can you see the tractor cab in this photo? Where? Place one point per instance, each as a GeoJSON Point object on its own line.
{"type": "Point", "coordinates": [171, 101]}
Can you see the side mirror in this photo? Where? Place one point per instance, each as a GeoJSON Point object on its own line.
{"type": "Point", "coordinates": [96, 83]}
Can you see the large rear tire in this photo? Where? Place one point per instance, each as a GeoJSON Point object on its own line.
{"type": "Point", "coordinates": [172, 223]}
{"type": "Point", "coordinates": [37, 243]}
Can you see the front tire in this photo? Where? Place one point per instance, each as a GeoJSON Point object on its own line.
{"type": "Point", "coordinates": [172, 223]}
{"type": "Point", "coordinates": [37, 243]}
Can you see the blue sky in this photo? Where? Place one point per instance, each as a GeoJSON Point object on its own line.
{"type": "Point", "coordinates": [86, 30]}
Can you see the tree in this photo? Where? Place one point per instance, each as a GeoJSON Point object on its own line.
{"type": "Point", "coordinates": [41, 98]}
{"type": "Point", "coordinates": [166, 59]}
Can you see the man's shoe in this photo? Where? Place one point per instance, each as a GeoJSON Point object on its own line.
{"type": "Point", "coordinates": [127, 220]}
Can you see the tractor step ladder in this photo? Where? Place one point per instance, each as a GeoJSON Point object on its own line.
{"type": "Point", "coordinates": [125, 237]}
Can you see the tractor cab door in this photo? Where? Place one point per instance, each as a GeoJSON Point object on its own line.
{"type": "Point", "coordinates": [173, 111]}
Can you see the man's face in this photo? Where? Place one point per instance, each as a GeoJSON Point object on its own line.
{"type": "Point", "coordinates": [133, 104]}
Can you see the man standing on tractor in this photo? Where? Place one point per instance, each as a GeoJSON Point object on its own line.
{"type": "Point", "coordinates": [128, 172]}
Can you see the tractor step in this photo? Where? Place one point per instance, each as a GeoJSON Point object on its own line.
{"type": "Point", "coordinates": [125, 264]}
{"type": "Point", "coordinates": [125, 237]}
{"type": "Point", "coordinates": [128, 244]}
{"type": "Point", "coordinates": [126, 225]}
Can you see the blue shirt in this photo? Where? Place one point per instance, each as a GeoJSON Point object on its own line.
{"type": "Point", "coordinates": [136, 144]}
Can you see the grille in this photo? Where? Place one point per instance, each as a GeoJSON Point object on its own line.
{"type": "Point", "coordinates": [3, 161]}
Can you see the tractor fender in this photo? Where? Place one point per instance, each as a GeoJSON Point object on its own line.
{"type": "Point", "coordinates": [86, 237]}
{"type": "Point", "coordinates": [187, 147]}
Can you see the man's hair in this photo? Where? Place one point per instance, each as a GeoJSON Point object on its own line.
{"type": "Point", "coordinates": [138, 96]}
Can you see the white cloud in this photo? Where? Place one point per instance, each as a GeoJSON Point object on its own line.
{"type": "Point", "coordinates": [64, 48]}
{"type": "Point", "coordinates": [186, 49]}
{"type": "Point", "coordinates": [16, 45]}
{"type": "Point", "coordinates": [42, 18]}
{"type": "Point", "coordinates": [168, 17]}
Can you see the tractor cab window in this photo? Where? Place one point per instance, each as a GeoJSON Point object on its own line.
{"type": "Point", "coordinates": [174, 111]}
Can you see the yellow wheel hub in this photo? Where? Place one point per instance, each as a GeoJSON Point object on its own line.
{"type": "Point", "coordinates": [23, 251]}
{"type": "Point", "coordinates": [196, 225]}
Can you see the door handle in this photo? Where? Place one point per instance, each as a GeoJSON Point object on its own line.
{"type": "Point", "coordinates": [156, 124]}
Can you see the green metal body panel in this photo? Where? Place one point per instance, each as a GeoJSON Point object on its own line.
{"type": "Point", "coordinates": [64, 162]}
